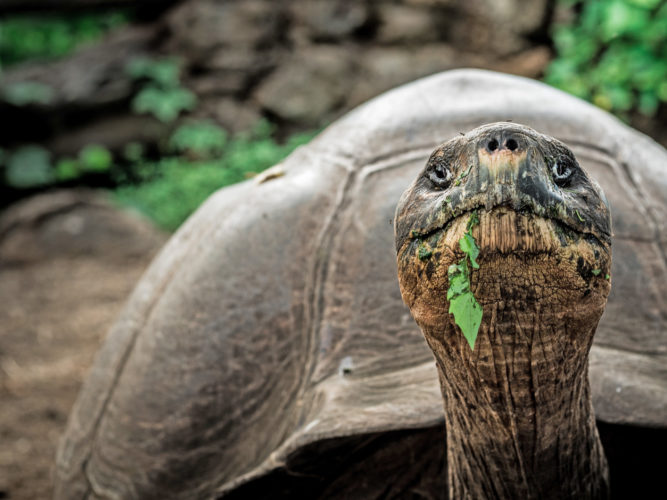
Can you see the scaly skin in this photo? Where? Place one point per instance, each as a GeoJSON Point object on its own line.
{"type": "Point", "coordinates": [518, 409]}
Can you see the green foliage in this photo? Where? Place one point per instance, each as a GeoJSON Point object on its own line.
{"type": "Point", "coordinates": [162, 72]}
{"type": "Point", "coordinates": [614, 54]}
{"type": "Point", "coordinates": [469, 247]}
{"type": "Point", "coordinates": [199, 139]}
{"type": "Point", "coordinates": [462, 303]}
{"type": "Point", "coordinates": [424, 252]}
{"type": "Point", "coordinates": [28, 167]}
{"type": "Point", "coordinates": [172, 188]}
{"type": "Point", "coordinates": [24, 93]}
{"type": "Point", "coordinates": [133, 152]}
{"type": "Point", "coordinates": [164, 104]}
{"type": "Point", "coordinates": [94, 158]}
{"type": "Point", "coordinates": [67, 169]}
{"type": "Point", "coordinates": [25, 37]}
{"type": "Point", "coordinates": [468, 315]}
{"type": "Point", "coordinates": [162, 94]}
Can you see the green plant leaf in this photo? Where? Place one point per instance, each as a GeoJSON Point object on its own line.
{"type": "Point", "coordinates": [25, 93]}
{"type": "Point", "coordinates": [424, 252]}
{"type": "Point", "coordinates": [29, 166]}
{"type": "Point", "coordinates": [94, 158]}
{"type": "Point", "coordinates": [458, 284]}
{"type": "Point", "coordinates": [45, 36]}
{"type": "Point", "coordinates": [462, 303]}
{"type": "Point", "coordinates": [468, 315]}
{"type": "Point", "coordinates": [67, 169]}
{"type": "Point", "coordinates": [191, 182]}
{"type": "Point", "coordinates": [165, 105]}
{"type": "Point", "coordinates": [614, 53]}
{"type": "Point", "coordinates": [205, 139]}
{"type": "Point", "coordinates": [133, 151]}
{"type": "Point", "coordinates": [470, 248]}
{"type": "Point", "coordinates": [165, 73]}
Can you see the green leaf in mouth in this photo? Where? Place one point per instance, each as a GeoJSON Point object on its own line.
{"type": "Point", "coordinates": [462, 303]}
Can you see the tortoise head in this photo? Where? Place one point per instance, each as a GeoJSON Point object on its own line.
{"type": "Point", "coordinates": [504, 251]}
{"type": "Point", "coordinates": [539, 221]}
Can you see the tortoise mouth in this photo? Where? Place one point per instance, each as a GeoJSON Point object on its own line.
{"type": "Point", "coordinates": [514, 252]}
{"type": "Point", "coordinates": [505, 231]}
{"type": "Point", "coordinates": [512, 229]}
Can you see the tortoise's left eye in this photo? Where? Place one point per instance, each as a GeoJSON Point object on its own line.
{"type": "Point", "coordinates": [440, 175]}
{"type": "Point", "coordinates": [562, 170]}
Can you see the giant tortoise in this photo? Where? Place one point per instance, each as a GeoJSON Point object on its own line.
{"type": "Point", "coordinates": [267, 352]}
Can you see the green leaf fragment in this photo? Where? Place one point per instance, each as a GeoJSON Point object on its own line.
{"type": "Point", "coordinates": [462, 303]}
{"type": "Point", "coordinates": [581, 219]}
{"type": "Point", "coordinates": [25, 93]}
{"type": "Point", "coordinates": [424, 252]}
{"type": "Point", "coordinates": [473, 221]}
{"type": "Point", "coordinates": [95, 158]}
{"type": "Point", "coordinates": [67, 169]}
{"type": "Point", "coordinates": [29, 167]}
{"type": "Point", "coordinates": [458, 284]}
{"type": "Point", "coordinates": [606, 276]}
{"type": "Point", "coordinates": [468, 315]}
{"type": "Point", "coordinates": [456, 268]}
{"type": "Point", "coordinates": [470, 248]}
{"type": "Point", "coordinates": [166, 104]}
{"type": "Point", "coordinates": [596, 272]}
{"type": "Point", "coordinates": [463, 175]}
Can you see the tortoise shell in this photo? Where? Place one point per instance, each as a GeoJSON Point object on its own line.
{"type": "Point", "coordinates": [267, 351]}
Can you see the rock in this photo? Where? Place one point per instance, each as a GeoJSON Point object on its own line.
{"type": "Point", "coordinates": [72, 223]}
{"type": "Point", "coordinates": [230, 114]}
{"type": "Point", "coordinates": [199, 26]}
{"type": "Point", "coordinates": [308, 87]}
{"type": "Point", "coordinates": [232, 70]}
{"type": "Point", "coordinates": [329, 20]}
{"type": "Point", "coordinates": [13, 6]}
{"type": "Point", "coordinates": [113, 132]}
{"type": "Point", "coordinates": [92, 77]}
{"type": "Point", "coordinates": [530, 63]}
{"type": "Point", "coordinates": [497, 26]}
{"type": "Point", "coordinates": [242, 59]}
{"type": "Point", "coordinates": [520, 17]}
{"type": "Point", "coordinates": [79, 88]}
{"type": "Point", "coordinates": [387, 67]}
{"type": "Point", "coordinates": [406, 24]}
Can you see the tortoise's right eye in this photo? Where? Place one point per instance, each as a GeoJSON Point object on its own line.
{"type": "Point", "coordinates": [440, 175]}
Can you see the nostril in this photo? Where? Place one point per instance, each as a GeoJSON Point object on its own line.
{"type": "Point", "coordinates": [492, 145]}
{"type": "Point", "coordinates": [511, 144]}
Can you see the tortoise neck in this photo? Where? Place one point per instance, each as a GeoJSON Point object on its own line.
{"type": "Point", "coordinates": [520, 421]}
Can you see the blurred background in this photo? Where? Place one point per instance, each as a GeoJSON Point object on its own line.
{"type": "Point", "coordinates": [120, 117]}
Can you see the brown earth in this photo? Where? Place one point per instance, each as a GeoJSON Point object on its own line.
{"type": "Point", "coordinates": [58, 300]}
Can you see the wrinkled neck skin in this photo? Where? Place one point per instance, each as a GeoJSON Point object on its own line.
{"type": "Point", "coordinates": [518, 409]}
{"type": "Point", "coordinates": [519, 417]}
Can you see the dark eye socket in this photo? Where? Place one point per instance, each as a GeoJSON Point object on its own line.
{"type": "Point", "coordinates": [439, 174]}
{"type": "Point", "coordinates": [563, 170]}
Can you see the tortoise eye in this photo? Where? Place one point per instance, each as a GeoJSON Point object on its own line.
{"type": "Point", "coordinates": [562, 170]}
{"type": "Point", "coordinates": [440, 175]}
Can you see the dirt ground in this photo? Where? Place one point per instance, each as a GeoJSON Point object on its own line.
{"type": "Point", "coordinates": [58, 300]}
